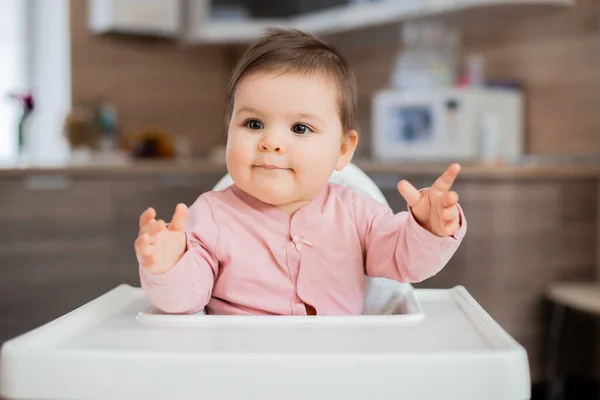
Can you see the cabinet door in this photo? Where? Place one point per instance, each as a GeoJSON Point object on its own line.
{"type": "Point", "coordinates": [153, 17]}
{"type": "Point", "coordinates": [242, 21]}
{"type": "Point", "coordinates": [270, 8]}
{"type": "Point", "coordinates": [49, 207]}
{"type": "Point", "coordinates": [56, 248]}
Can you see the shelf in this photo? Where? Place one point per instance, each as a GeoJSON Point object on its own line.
{"type": "Point", "coordinates": [541, 171]}
{"type": "Point", "coordinates": [358, 16]}
{"type": "Point", "coordinates": [233, 32]}
{"type": "Point", "coordinates": [353, 17]}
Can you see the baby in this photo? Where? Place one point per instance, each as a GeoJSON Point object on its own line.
{"type": "Point", "coordinates": [282, 240]}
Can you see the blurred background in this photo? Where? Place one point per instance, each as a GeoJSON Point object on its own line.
{"type": "Point", "coordinates": [108, 107]}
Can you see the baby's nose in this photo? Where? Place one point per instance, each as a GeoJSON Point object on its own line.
{"type": "Point", "coordinates": [266, 147]}
{"type": "Point", "coordinates": [271, 142]}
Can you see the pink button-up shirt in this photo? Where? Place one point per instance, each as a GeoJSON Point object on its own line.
{"type": "Point", "coordinates": [248, 257]}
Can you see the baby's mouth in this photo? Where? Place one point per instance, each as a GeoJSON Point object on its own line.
{"type": "Point", "coordinates": [270, 167]}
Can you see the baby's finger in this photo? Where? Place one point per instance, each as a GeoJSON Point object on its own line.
{"type": "Point", "coordinates": [179, 221]}
{"type": "Point", "coordinates": [450, 199]}
{"type": "Point", "coordinates": [148, 260]}
{"type": "Point", "coordinates": [142, 244]}
{"type": "Point", "coordinates": [445, 182]}
{"type": "Point", "coordinates": [452, 227]}
{"type": "Point", "coordinates": [410, 193]}
{"type": "Point", "coordinates": [450, 214]}
{"type": "Point", "coordinates": [153, 228]}
{"type": "Point", "coordinates": [147, 216]}
{"type": "Point", "coordinates": [144, 229]}
{"type": "Point", "coordinates": [158, 226]}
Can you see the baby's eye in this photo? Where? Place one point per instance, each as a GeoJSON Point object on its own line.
{"type": "Point", "coordinates": [254, 124]}
{"type": "Point", "coordinates": [301, 129]}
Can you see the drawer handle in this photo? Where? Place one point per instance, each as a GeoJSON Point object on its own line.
{"type": "Point", "coordinates": [47, 182]}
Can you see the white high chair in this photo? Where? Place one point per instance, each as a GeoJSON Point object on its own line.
{"type": "Point", "coordinates": [415, 344]}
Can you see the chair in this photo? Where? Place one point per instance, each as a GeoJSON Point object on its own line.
{"type": "Point", "coordinates": [382, 296]}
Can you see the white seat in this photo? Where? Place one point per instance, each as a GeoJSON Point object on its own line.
{"type": "Point", "coordinates": [382, 296]}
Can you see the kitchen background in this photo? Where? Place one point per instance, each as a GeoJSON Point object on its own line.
{"type": "Point", "coordinates": [108, 107]}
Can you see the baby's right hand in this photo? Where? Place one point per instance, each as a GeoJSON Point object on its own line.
{"type": "Point", "coordinates": [159, 247]}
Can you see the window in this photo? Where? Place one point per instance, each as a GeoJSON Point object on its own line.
{"type": "Point", "coordinates": [12, 73]}
{"type": "Point", "coordinates": [35, 55]}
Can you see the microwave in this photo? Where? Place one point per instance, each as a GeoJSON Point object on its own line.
{"type": "Point", "coordinates": [448, 124]}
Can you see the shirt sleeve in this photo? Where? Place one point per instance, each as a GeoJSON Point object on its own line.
{"type": "Point", "coordinates": [395, 245]}
{"type": "Point", "coordinates": [187, 287]}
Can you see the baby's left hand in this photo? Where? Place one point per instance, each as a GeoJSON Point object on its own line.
{"type": "Point", "coordinates": [435, 208]}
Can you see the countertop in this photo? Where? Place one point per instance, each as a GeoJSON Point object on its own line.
{"type": "Point", "coordinates": [564, 170]}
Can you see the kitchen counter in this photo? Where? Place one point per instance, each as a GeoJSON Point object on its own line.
{"type": "Point", "coordinates": [469, 171]}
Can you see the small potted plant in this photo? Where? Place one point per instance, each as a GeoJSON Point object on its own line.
{"type": "Point", "coordinates": [28, 105]}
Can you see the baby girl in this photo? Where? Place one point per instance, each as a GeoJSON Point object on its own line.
{"type": "Point", "coordinates": [282, 240]}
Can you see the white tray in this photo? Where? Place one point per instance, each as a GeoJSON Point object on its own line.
{"type": "Point", "coordinates": [113, 348]}
{"type": "Point", "coordinates": [408, 312]}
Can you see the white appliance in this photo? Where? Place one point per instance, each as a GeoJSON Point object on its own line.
{"type": "Point", "coordinates": [448, 124]}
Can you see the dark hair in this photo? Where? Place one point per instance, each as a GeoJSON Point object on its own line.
{"type": "Point", "coordinates": [283, 50]}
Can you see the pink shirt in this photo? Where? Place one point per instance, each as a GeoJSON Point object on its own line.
{"type": "Point", "coordinates": [248, 257]}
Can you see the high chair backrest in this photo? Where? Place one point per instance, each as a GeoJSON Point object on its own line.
{"type": "Point", "coordinates": [380, 293]}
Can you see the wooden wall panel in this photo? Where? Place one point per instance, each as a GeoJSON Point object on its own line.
{"type": "Point", "coordinates": [554, 54]}
{"type": "Point", "coordinates": [153, 82]}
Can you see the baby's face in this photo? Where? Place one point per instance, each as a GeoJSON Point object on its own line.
{"type": "Point", "coordinates": [285, 137]}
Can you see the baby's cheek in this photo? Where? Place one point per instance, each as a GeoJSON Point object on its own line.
{"type": "Point", "coordinates": [314, 178]}
{"type": "Point", "coordinates": [238, 153]}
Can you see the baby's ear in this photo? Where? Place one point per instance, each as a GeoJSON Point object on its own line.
{"type": "Point", "coordinates": [349, 143]}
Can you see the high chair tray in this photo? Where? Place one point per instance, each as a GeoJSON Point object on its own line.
{"type": "Point", "coordinates": [408, 312]}
{"type": "Point", "coordinates": [104, 351]}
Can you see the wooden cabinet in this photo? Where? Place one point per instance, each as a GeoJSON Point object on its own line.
{"type": "Point", "coordinates": [55, 240]}
{"type": "Point", "coordinates": [242, 21]}
{"type": "Point", "coordinates": [65, 240]}
{"type": "Point", "coordinates": [142, 17]}
{"type": "Point", "coordinates": [523, 235]}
